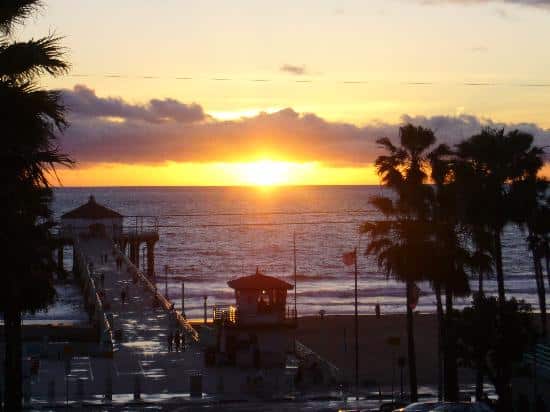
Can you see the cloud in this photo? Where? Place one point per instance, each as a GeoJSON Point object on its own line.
{"type": "Point", "coordinates": [83, 102]}
{"type": "Point", "coordinates": [138, 138]}
{"type": "Point", "coordinates": [479, 49]}
{"type": "Point", "coordinates": [295, 70]}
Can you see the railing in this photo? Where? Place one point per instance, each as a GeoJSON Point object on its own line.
{"type": "Point", "coordinates": [225, 313]}
{"type": "Point", "coordinates": [165, 303]}
{"type": "Point", "coordinates": [230, 314]}
{"type": "Point", "coordinates": [139, 225]}
{"type": "Point", "coordinates": [303, 352]}
{"type": "Point", "coordinates": [93, 299]}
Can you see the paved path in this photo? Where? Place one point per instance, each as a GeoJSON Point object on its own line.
{"type": "Point", "coordinates": [140, 355]}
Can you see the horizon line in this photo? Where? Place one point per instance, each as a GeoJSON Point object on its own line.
{"type": "Point", "coordinates": [261, 187]}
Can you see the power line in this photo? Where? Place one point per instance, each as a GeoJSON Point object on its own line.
{"type": "Point", "coordinates": [349, 82]}
{"type": "Point", "coordinates": [312, 212]}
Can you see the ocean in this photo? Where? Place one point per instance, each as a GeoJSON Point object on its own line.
{"type": "Point", "coordinates": [209, 235]}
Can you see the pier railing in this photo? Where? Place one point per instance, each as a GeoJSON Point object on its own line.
{"type": "Point", "coordinates": [165, 303]}
{"type": "Point", "coordinates": [93, 301]}
{"type": "Point", "coordinates": [230, 315]}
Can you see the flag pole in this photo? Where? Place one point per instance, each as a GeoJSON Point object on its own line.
{"type": "Point", "coordinates": [295, 299]}
{"type": "Point", "coordinates": [295, 275]}
{"type": "Point", "coordinates": [356, 332]}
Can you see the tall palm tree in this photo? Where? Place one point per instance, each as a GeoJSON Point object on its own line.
{"type": "Point", "coordinates": [488, 163]}
{"type": "Point", "coordinates": [480, 264]}
{"type": "Point", "coordinates": [31, 119]}
{"type": "Point", "coordinates": [402, 242]}
{"type": "Point", "coordinates": [481, 261]}
{"type": "Point", "coordinates": [450, 258]}
{"type": "Point", "coordinates": [530, 211]}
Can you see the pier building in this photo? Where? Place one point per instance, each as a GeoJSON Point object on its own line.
{"type": "Point", "coordinates": [257, 331]}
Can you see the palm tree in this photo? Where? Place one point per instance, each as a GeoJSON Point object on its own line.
{"type": "Point", "coordinates": [481, 264]}
{"type": "Point", "coordinates": [402, 242]}
{"type": "Point", "coordinates": [530, 211]}
{"type": "Point", "coordinates": [31, 119]}
{"type": "Point", "coordinates": [481, 261]}
{"type": "Point", "coordinates": [450, 257]}
{"type": "Point", "coordinates": [488, 163]}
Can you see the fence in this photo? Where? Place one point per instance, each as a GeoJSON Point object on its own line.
{"type": "Point", "coordinates": [93, 301]}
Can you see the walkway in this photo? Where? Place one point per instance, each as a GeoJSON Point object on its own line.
{"type": "Point", "coordinates": [140, 357]}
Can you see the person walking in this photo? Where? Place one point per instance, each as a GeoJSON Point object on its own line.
{"type": "Point", "coordinates": [123, 295]}
{"type": "Point", "coordinates": [170, 340]}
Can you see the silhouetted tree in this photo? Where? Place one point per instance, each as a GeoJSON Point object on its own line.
{"type": "Point", "coordinates": [481, 265]}
{"type": "Point", "coordinates": [30, 119]}
{"type": "Point", "coordinates": [481, 261]}
{"type": "Point", "coordinates": [450, 258]}
{"type": "Point", "coordinates": [402, 243]}
{"type": "Point", "coordinates": [488, 163]}
{"type": "Point", "coordinates": [493, 335]}
{"type": "Point", "coordinates": [529, 210]}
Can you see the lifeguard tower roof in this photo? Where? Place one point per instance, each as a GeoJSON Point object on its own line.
{"type": "Point", "coordinates": [91, 210]}
{"type": "Point", "coordinates": [258, 281]}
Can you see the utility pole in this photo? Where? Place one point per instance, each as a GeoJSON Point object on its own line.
{"type": "Point", "coordinates": [356, 332]}
{"type": "Point", "coordinates": [166, 271]}
{"type": "Point", "coordinates": [205, 310]}
{"type": "Point", "coordinates": [295, 281]}
{"type": "Point", "coordinates": [183, 298]}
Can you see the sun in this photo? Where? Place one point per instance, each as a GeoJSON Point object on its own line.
{"type": "Point", "coordinates": [266, 173]}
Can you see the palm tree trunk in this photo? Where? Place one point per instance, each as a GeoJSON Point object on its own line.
{"type": "Point", "coordinates": [411, 350]}
{"type": "Point", "coordinates": [479, 379]}
{"type": "Point", "coordinates": [480, 284]}
{"type": "Point", "coordinates": [498, 264]}
{"type": "Point", "coordinates": [541, 292]}
{"type": "Point", "coordinates": [547, 258]}
{"type": "Point", "coordinates": [451, 369]}
{"type": "Point", "coordinates": [535, 249]}
{"type": "Point", "coordinates": [439, 306]}
{"type": "Point", "coordinates": [480, 364]}
{"type": "Point", "coordinates": [13, 359]}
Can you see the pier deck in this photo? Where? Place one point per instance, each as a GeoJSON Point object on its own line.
{"type": "Point", "coordinates": [140, 356]}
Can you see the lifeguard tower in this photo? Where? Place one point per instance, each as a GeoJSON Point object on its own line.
{"type": "Point", "coordinates": [258, 331]}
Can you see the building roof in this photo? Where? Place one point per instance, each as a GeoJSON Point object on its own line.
{"type": "Point", "coordinates": [91, 210]}
{"type": "Point", "coordinates": [258, 281]}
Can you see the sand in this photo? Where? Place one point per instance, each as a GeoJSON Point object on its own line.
{"type": "Point", "coordinates": [333, 338]}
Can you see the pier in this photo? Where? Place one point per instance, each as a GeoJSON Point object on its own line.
{"type": "Point", "coordinates": [128, 354]}
{"type": "Point", "coordinates": [130, 319]}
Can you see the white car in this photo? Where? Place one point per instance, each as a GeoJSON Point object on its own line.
{"type": "Point", "coordinates": [462, 407]}
{"type": "Point", "coordinates": [419, 407]}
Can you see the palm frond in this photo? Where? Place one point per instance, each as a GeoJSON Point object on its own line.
{"type": "Point", "coordinates": [13, 12]}
{"type": "Point", "coordinates": [23, 61]}
{"type": "Point", "coordinates": [383, 204]}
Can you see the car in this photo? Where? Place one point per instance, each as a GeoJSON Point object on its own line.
{"type": "Point", "coordinates": [462, 407]}
{"type": "Point", "coordinates": [391, 406]}
{"type": "Point", "coordinates": [419, 407]}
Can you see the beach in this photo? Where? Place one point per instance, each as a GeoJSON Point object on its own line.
{"type": "Point", "coordinates": [333, 339]}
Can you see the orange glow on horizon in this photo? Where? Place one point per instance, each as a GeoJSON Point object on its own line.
{"type": "Point", "coordinates": [262, 173]}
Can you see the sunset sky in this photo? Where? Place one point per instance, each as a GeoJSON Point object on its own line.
{"type": "Point", "coordinates": [287, 92]}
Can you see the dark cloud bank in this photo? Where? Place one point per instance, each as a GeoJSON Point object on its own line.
{"type": "Point", "coordinates": [113, 130]}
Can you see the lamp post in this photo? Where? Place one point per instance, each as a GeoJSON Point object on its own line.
{"type": "Point", "coordinates": [166, 271]}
